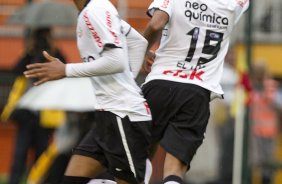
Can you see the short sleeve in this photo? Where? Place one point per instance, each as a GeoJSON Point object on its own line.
{"type": "Point", "coordinates": [164, 5]}
{"type": "Point", "coordinates": [125, 27]}
{"type": "Point", "coordinates": [104, 27]}
{"type": "Point", "coordinates": [242, 6]}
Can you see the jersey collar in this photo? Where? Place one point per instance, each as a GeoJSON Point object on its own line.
{"type": "Point", "coordinates": [86, 3]}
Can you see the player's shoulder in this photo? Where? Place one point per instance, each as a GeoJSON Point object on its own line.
{"type": "Point", "coordinates": [100, 8]}
{"type": "Point", "coordinates": [99, 4]}
{"type": "Point", "coordinates": [204, 4]}
{"type": "Point", "coordinates": [125, 27]}
{"type": "Point", "coordinates": [241, 4]}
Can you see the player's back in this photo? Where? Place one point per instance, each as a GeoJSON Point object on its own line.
{"type": "Point", "coordinates": [99, 29]}
{"type": "Point", "coordinates": [195, 40]}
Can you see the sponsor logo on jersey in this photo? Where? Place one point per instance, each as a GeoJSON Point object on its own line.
{"type": "Point", "coordinates": [118, 169]}
{"type": "Point", "coordinates": [109, 24]}
{"type": "Point", "coordinates": [197, 11]}
{"type": "Point", "coordinates": [215, 36]}
{"type": "Point", "coordinates": [94, 33]}
{"type": "Point", "coordinates": [184, 74]}
{"type": "Point", "coordinates": [242, 2]}
{"type": "Point", "coordinates": [147, 108]}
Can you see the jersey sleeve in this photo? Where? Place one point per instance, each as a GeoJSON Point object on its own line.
{"type": "Point", "coordinates": [104, 27]}
{"type": "Point", "coordinates": [136, 45]}
{"type": "Point", "coordinates": [164, 5]}
{"type": "Point", "coordinates": [125, 27]}
{"type": "Point", "coordinates": [242, 7]}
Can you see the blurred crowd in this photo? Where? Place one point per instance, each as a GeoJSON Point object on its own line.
{"type": "Point", "coordinates": [262, 110]}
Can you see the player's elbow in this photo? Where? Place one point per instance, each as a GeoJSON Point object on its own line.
{"type": "Point", "coordinates": [158, 21]}
{"type": "Point", "coordinates": [117, 60]}
{"type": "Point", "coordinates": [120, 67]}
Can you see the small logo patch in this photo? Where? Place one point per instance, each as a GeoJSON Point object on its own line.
{"type": "Point", "coordinates": [118, 169]}
{"type": "Point", "coordinates": [242, 2]}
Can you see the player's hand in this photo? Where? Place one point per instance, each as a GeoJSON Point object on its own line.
{"type": "Point", "coordinates": [44, 72]}
{"type": "Point", "coordinates": [149, 60]}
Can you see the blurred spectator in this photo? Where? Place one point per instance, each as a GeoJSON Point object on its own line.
{"type": "Point", "coordinates": [265, 118]}
{"type": "Point", "coordinates": [50, 166]}
{"type": "Point", "coordinates": [33, 128]}
{"type": "Point", "coordinates": [224, 119]}
{"type": "Point", "coordinates": [266, 20]}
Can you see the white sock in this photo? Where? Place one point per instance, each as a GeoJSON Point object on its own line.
{"type": "Point", "coordinates": [171, 182]}
{"type": "Point", "coordinates": [172, 179]}
{"type": "Point", "coordinates": [148, 174]}
{"type": "Point", "coordinates": [99, 181]}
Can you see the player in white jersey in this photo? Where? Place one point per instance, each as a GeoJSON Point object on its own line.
{"type": "Point", "coordinates": [121, 133]}
{"type": "Point", "coordinates": [194, 38]}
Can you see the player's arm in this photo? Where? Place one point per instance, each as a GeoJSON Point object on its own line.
{"type": "Point", "coordinates": [55, 69]}
{"type": "Point", "coordinates": [112, 61]}
{"type": "Point", "coordinates": [153, 33]}
{"type": "Point", "coordinates": [242, 8]}
{"type": "Point", "coordinates": [137, 46]}
{"type": "Point", "coordinates": [154, 28]}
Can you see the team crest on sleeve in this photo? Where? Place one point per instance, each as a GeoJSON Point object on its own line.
{"type": "Point", "coordinates": [165, 3]}
{"type": "Point", "coordinates": [242, 2]}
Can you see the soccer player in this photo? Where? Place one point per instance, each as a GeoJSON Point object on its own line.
{"type": "Point", "coordinates": [120, 136]}
{"type": "Point", "coordinates": [184, 78]}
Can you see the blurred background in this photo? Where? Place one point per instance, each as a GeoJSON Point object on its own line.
{"type": "Point", "coordinates": [243, 142]}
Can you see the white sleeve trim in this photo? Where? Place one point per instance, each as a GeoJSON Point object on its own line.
{"type": "Point", "coordinates": [112, 61]}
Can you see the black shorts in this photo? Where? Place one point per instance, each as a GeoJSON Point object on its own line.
{"type": "Point", "coordinates": [180, 115]}
{"type": "Point", "coordinates": [119, 144]}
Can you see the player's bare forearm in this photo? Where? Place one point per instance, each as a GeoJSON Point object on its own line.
{"type": "Point", "coordinates": [153, 33]}
{"type": "Point", "coordinates": [43, 72]}
{"type": "Point", "coordinates": [154, 28]}
{"type": "Point", "coordinates": [152, 36]}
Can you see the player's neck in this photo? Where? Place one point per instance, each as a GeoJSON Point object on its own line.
{"type": "Point", "coordinates": [80, 4]}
